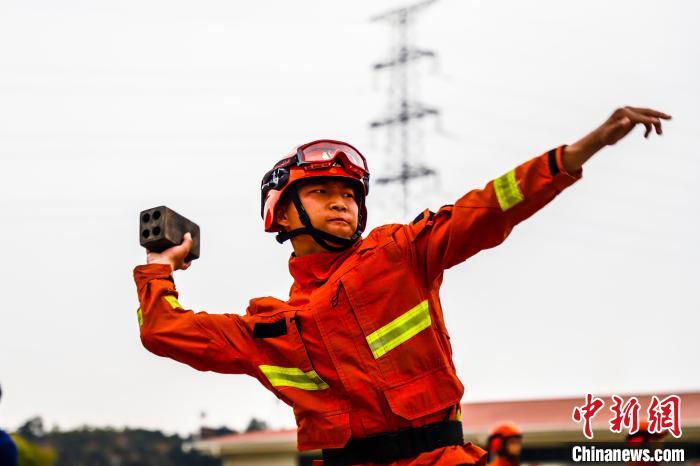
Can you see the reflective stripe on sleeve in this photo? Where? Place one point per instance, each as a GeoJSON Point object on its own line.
{"type": "Point", "coordinates": [293, 377]}
{"type": "Point", "coordinates": [139, 315]}
{"type": "Point", "coordinates": [507, 191]}
{"type": "Point", "coordinates": [172, 300]}
{"type": "Point", "coordinates": [407, 325]}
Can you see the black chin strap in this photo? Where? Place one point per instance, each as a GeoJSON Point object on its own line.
{"type": "Point", "coordinates": [321, 237]}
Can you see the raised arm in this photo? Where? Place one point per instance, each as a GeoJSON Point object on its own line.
{"type": "Point", "coordinates": [483, 218]}
{"type": "Point", "coordinates": [208, 342]}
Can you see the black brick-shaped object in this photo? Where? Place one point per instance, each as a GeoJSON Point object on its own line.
{"type": "Point", "coordinates": [161, 228]}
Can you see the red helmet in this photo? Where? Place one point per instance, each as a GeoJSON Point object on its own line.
{"type": "Point", "coordinates": [321, 158]}
{"type": "Point", "coordinates": [643, 435]}
{"type": "Point", "coordinates": [500, 433]}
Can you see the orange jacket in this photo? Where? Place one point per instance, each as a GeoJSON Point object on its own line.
{"type": "Point", "coordinates": [360, 347]}
{"type": "Point", "coordinates": [503, 461]}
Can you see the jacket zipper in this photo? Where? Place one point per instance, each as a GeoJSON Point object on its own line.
{"type": "Point", "coordinates": [334, 299]}
{"type": "Point", "coordinates": [297, 324]}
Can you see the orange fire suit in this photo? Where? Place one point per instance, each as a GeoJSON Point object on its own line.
{"type": "Point", "coordinates": [503, 461]}
{"type": "Point", "coordinates": [360, 347]}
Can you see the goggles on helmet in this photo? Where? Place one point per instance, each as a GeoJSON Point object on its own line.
{"type": "Point", "coordinates": [315, 155]}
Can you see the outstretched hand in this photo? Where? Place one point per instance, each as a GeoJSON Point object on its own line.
{"type": "Point", "coordinates": [616, 127]}
{"type": "Point", "coordinates": [624, 119]}
{"type": "Point", "coordinates": [174, 256]}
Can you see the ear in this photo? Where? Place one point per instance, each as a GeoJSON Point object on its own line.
{"type": "Point", "coordinates": [282, 217]}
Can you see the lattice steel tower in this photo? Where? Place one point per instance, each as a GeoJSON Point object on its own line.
{"type": "Point", "coordinates": [403, 109]}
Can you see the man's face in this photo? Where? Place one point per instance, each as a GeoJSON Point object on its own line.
{"type": "Point", "coordinates": [330, 203]}
{"type": "Point", "coordinates": [513, 446]}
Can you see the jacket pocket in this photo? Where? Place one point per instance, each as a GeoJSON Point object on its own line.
{"type": "Point", "coordinates": [285, 368]}
{"type": "Point", "coordinates": [426, 394]}
{"type": "Point", "coordinates": [283, 364]}
{"type": "Point", "coordinates": [317, 431]}
{"type": "Point", "coordinates": [394, 312]}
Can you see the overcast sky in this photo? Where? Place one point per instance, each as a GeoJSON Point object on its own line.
{"type": "Point", "coordinates": [108, 108]}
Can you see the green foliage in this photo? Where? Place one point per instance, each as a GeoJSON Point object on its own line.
{"type": "Point", "coordinates": [33, 455]}
{"type": "Point", "coordinates": [104, 447]}
{"type": "Point", "coordinates": [256, 425]}
{"type": "Point", "coordinates": [32, 429]}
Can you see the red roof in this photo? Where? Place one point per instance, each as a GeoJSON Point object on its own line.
{"type": "Point", "coordinates": [250, 437]}
{"type": "Point", "coordinates": [530, 415]}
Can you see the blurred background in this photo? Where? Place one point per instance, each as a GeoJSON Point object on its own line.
{"type": "Point", "coordinates": [109, 108]}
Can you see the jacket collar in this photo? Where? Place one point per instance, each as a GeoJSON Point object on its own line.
{"type": "Point", "coordinates": [313, 270]}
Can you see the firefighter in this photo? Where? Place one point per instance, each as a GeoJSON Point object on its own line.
{"type": "Point", "coordinates": [645, 439]}
{"type": "Point", "coordinates": [504, 444]}
{"type": "Point", "coordinates": [359, 349]}
{"type": "Point", "coordinates": [8, 450]}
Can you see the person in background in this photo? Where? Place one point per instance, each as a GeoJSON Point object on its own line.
{"type": "Point", "coordinates": [505, 444]}
{"type": "Point", "coordinates": [645, 439]}
{"type": "Point", "coordinates": [8, 449]}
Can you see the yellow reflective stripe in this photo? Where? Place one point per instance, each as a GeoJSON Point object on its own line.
{"type": "Point", "coordinates": [172, 300]}
{"type": "Point", "coordinates": [293, 377]}
{"type": "Point", "coordinates": [507, 190]}
{"type": "Point", "coordinates": [140, 316]}
{"type": "Point", "coordinates": [399, 330]}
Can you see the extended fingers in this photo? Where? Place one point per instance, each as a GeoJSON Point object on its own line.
{"type": "Point", "coordinates": [652, 112]}
{"type": "Point", "coordinates": [647, 117]}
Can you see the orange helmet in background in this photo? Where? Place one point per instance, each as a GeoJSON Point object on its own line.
{"type": "Point", "coordinates": [643, 435]}
{"type": "Point", "coordinates": [500, 433]}
{"type": "Point", "coordinates": [321, 158]}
